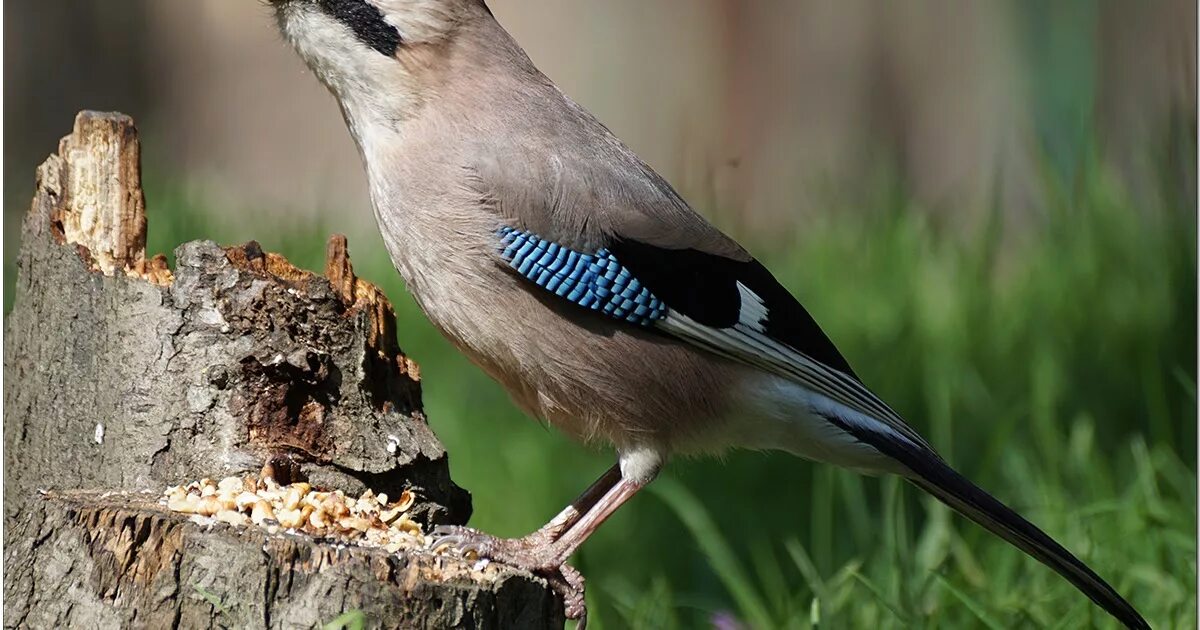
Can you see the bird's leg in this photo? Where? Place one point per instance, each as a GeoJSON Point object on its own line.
{"type": "Point", "coordinates": [562, 523]}
{"type": "Point", "coordinates": [546, 551]}
{"type": "Point", "coordinates": [467, 539]}
{"type": "Point", "coordinates": [464, 537]}
{"type": "Point", "coordinates": [556, 553]}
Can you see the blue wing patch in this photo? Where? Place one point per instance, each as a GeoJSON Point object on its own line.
{"type": "Point", "coordinates": [595, 281]}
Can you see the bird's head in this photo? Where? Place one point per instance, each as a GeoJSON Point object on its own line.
{"type": "Point", "coordinates": [371, 53]}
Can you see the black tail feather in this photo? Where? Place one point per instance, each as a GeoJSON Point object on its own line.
{"type": "Point", "coordinates": [1001, 520]}
{"type": "Point", "coordinates": [935, 476]}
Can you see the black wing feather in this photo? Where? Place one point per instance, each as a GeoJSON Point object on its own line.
{"type": "Point", "coordinates": [703, 286]}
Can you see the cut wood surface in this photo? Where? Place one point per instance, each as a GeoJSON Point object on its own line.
{"type": "Point", "coordinates": [123, 377]}
{"type": "Point", "coordinates": [122, 562]}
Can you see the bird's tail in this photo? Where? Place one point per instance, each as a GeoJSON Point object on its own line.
{"type": "Point", "coordinates": [925, 469]}
{"type": "Point", "coordinates": [937, 478]}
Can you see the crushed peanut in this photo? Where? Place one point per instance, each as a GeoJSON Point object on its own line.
{"type": "Point", "coordinates": [370, 520]}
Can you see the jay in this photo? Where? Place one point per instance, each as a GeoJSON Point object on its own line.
{"type": "Point", "coordinates": [560, 263]}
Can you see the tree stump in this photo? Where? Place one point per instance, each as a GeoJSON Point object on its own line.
{"type": "Point", "coordinates": [123, 377]}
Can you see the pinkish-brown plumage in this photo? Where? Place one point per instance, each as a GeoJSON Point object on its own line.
{"type": "Point", "coordinates": [462, 136]}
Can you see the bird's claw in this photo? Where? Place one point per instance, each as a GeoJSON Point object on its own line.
{"type": "Point", "coordinates": [462, 541]}
{"type": "Point", "coordinates": [531, 553]}
{"type": "Point", "coordinates": [465, 542]}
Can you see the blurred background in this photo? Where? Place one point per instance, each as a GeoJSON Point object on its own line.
{"type": "Point", "coordinates": [991, 207]}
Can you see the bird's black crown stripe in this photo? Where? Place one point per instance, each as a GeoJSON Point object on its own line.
{"type": "Point", "coordinates": [367, 23]}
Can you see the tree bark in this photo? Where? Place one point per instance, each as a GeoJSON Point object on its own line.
{"type": "Point", "coordinates": [123, 377]}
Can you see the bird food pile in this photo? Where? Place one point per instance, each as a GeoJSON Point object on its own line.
{"type": "Point", "coordinates": [371, 520]}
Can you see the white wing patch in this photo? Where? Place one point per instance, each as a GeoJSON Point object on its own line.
{"type": "Point", "coordinates": [753, 313]}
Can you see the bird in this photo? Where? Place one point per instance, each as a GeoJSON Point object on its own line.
{"type": "Point", "coordinates": [569, 271]}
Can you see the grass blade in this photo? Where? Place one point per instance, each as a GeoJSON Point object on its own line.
{"type": "Point", "coordinates": [720, 556]}
{"type": "Point", "coordinates": [975, 607]}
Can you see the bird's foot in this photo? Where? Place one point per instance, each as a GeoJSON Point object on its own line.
{"type": "Point", "coordinates": [534, 553]}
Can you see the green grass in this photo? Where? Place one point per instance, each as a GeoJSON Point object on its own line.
{"type": "Point", "coordinates": [1053, 363]}
{"type": "Point", "coordinates": [349, 620]}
